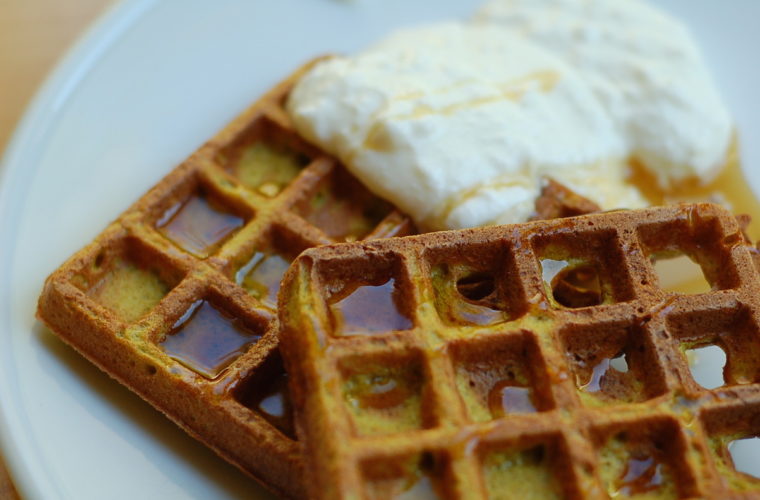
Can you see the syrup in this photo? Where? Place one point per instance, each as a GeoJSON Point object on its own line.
{"type": "Point", "coordinates": [198, 226]}
{"type": "Point", "coordinates": [368, 310]}
{"type": "Point", "coordinates": [262, 275]}
{"type": "Point", "coordinates": [731, 189]}
{"type": "Point", "coordinates": [507, 397]}
{"type": "Point", "coordinates": [206, 340]}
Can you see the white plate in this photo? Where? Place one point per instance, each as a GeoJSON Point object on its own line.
{"type": "Point", "coordinates": [141, 91]}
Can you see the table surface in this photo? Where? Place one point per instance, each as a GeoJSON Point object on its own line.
{"type": "Point", "coordinates": [34, 34]}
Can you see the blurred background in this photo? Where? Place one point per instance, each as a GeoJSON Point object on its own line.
{"type": "Point", "coordinates": [34, 34]}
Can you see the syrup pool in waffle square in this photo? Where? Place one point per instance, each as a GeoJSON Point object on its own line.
{"type": "Point", "coordinates": [210, 334]}
{"type": "Point", "coordinates": [199, 221]}
{"type": "Point", "coordinates": [368, 296]}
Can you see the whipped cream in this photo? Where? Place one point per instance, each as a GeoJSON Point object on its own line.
{"type": "Point", "coordinates": [645, 69]}
{"type": "Point", "coordinates": [458, 123]}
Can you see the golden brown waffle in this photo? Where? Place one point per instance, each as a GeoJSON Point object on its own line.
{"type": "Point", "coordinates": [176, 298]}
{"type": "Point", "coordinates": [528, 361]}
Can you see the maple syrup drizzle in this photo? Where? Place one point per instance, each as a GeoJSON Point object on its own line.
{"type": "Point", "coordinates": [369, 309]}
{"type": "Point", "coordinates": [207, 340]}
{"type": "Point", "coordinates": [198, 226]}
{"type": "Point", "coordinates": [262, 275]}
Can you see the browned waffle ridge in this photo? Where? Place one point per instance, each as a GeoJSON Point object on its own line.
{"type": "Point", "coordinates": [259, 191]}
{"type": "Point", "coordinates": [179, 252]}
{"type": "Point", "coordinates": [461, 362]}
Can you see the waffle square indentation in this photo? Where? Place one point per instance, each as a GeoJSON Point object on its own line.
{"type": "Point", "coordinates": [700, 239]}
{"type": "Point", "coordinates": [536, 467]}
{"type": "Point", "coordinates": [127, 277]}
{"type": "Point", "coordinates": [583, 269]}
{"type": "Point", "coordinates": [725, 426]}
{"type": "Point", "coordinates": [612, 363]}
{"type": "Point", "coordinates": [385, 394]}
{"type": "Point", "coordinates": [260, 269]}
{"type": "Point", "coordinates": [342, 207]}
{"type": "Point", "coordinates": [207, 339]}
{"type": "Point", "coordinates": [370, 295]}
{"type": "Point", "coordinates": [501, 376]}
{"type": "Point", "coordinates": [199, 224]}
{"type": "Point", "coordinates": [265, 391]}
{"type": "Point", "coordinates": [265, 158]}
{"type": "Point", "coordinates": [420, 475]}
{"type": "Point", "coordinates": [479, 286]}
{"type": "Point", "coordinates": [645, 460]}
{"type": "Point", "coordinates": [734, 330]}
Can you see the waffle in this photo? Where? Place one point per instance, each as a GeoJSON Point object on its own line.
{"type": "Point", "coordinates": [539, 360]}
{"type": "Point", "coordinates": [176, 298]}
{"type": "Point", "coordinates": [204, 251]}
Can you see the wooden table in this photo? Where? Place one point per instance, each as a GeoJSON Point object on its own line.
{"type": "Point", "coordinates": [34, 34]}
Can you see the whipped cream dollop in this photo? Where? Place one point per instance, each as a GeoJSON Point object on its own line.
{"type": "Point", "coordinates": [458, 123]}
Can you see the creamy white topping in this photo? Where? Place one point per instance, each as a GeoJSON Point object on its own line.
{"type": "Point", "coordinates": [645, 69]}
{"type": "Point", "coordinates": [457, 124]}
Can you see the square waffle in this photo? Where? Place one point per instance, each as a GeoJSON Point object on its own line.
{"type": "Point", "coordinates": [176, 298]}
{"type": "Point", "coordinates": [540, 360]}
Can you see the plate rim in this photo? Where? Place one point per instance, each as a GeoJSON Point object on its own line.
{"type": "Point", "coordinates": [18, 166]}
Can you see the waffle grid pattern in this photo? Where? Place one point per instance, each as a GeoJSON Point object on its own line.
{"type": "Point", "coordinates": [128, 345]}
{"type": "Point", "coordinates": [683, 427]}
